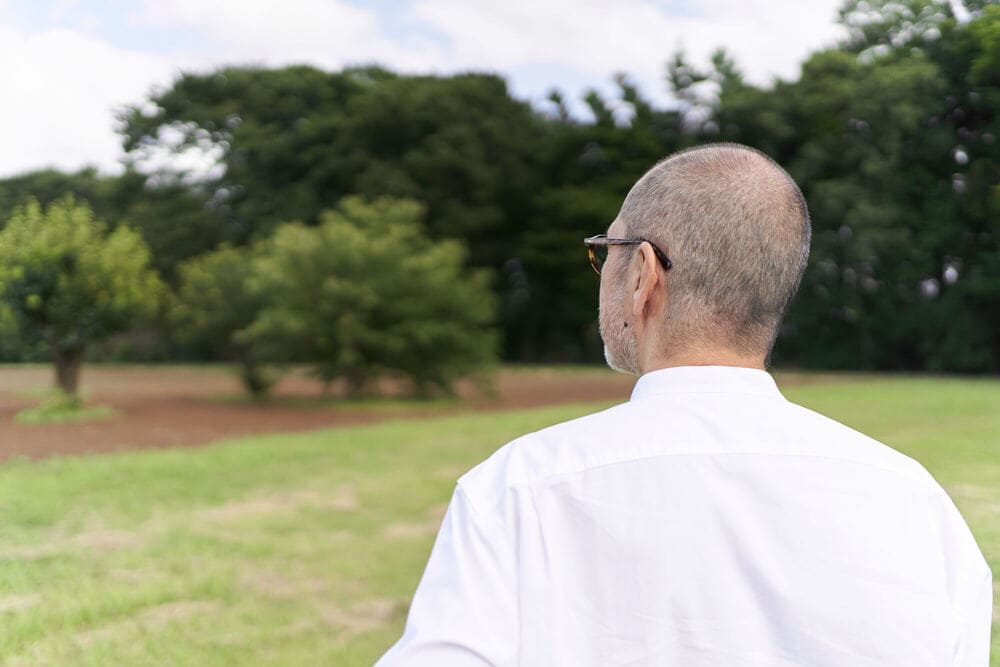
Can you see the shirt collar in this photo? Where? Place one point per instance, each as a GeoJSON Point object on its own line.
{"type": "Point", "coordinates": [706, 380]}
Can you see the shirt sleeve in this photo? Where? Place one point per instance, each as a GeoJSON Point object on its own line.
{"type": "Point", "coordinates": [464, 611]}
{"type": "Point", "coordinates": [974, 647]}
{"type": "Point", "coordinates": [971, 584]}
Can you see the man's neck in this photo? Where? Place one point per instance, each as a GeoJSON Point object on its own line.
{"type": "Point", "coordinates": [699, 357]}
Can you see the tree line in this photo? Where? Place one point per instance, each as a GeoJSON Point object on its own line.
{"type": "Point", "coordinates": [892, 134]}
{"type": "Point", "coordinates": [363, 292]}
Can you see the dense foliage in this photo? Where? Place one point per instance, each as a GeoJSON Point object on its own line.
{"type": "Point", "coordinates": [367, 291]}
{"type": "Point", "coordinates": [217, 302]}
{"type": "Point", "coordinates": [363, 292]}
{"type": "Point", "coordinates": [894, 136]}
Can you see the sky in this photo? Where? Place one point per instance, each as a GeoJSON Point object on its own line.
{"type": "Point", "coordinates": [66, 65]}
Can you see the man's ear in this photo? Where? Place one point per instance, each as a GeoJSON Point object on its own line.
{"type": "Point", "coordinates": [645, 282]}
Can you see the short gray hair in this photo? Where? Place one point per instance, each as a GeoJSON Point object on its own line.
{"type": "Point", "coordinates": [736, 228]}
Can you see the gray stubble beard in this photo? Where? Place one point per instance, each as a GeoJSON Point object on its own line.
{"type": "Point", "coordinates": [620, 349]}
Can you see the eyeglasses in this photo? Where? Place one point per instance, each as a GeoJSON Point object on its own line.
{"type": "Point", "coordinates": [597, 249]}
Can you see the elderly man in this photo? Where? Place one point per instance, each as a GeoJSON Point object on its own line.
{"type": "Point", "coordinates": [708, 520]}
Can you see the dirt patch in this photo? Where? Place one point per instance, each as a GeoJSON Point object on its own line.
{"type": "Point", "coordinates": [18, 602]}
{"type": "Point", "coordinates": [99, 540]}
{"type": "Point", "coordinates": [174, 406]}
{"type": "Point", "coordinates": [278, 585]}
{"type": "Point", "coordinates": [982, 497]}
{"type": "Point", "coordinates": [146, 619]}
{"type": "Point", "coordinates": [365, 616]}
{"type": "Point", "coordinates": [413, 529]}
{"type": "Point", "coordinates": [273, 584]}
{"type": "Point", "coordinates": [970, 491]}
{"type": "Point", "coordinates": [449, 473]}
{"type": "Point", "coordinates": [343, 498]}
{"type": "Point", "coordinates": [187, 406]}
{"type": "Point", "coordinates": [135, 576]}
{"type": "Point", "coordinates": [31, 552]}
{"type": "Point", "coordinates": [107, 540]}
{"type": "Point", "coordinates": [175, 611]}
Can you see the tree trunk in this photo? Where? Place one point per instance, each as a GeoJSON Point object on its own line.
{"type": "Point", "coordinates": [67, 364]}
{"type": "Point", "coordinates": [254, 377]}
{"type": "Point", "coordinates": [357, 381]}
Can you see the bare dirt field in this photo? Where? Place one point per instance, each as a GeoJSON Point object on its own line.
{"type": "Point", "coordinates": [178, 406]}
{"type": "Point", "coordinates": [184, 406]}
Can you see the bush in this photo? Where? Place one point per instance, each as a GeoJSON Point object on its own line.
{"type": "Point", "coordinates": [216, 303]}
{"type": "Point", "coordinates": [367, 291]}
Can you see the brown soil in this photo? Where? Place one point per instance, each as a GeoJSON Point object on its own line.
{"type": "Point", "coordinates": [183, 406]}
{"type": "Point", "coordinates": [186, 406]}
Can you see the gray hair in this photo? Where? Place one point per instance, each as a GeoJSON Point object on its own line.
{"type": "Point", "coordinates": [736, 227]}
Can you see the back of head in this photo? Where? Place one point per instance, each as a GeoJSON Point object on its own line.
{"type": "Point", "coordinates": [736, 227]}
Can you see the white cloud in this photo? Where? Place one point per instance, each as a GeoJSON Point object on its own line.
{"type": "Point", "coordinates": [593, 37]}
{"type": "Point", "coordinates": [61, 85]}
{"type": "Point", "coordinates": [773, 37]}
{"type": "Point", "coordinates": [767, 37]}
{"type": "Point", "coordinates": [60, 90]}
{"type": "Point", "coordinates": [327, 33]}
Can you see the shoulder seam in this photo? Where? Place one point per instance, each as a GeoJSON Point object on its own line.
{"type": "Point", "coordinates": [477, 514]}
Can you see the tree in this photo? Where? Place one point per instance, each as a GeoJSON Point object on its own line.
{"type": "Point", "coordinates": [71, 282]}
{"type": "Point", "coordinates": [46, 186]}
{"type": "Point", "coordinates": [217, 302]}
{"type": "Point", "coordinates": [176, 221]}
{"type": "Point", "coordinates": [292, 142]}
{"type": "Point", "coordinates": [367, 291]}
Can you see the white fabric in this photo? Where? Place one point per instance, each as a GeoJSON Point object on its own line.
{"type": "Point", "coordinates": [706, 522]}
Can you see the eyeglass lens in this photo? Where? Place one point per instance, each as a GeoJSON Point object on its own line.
{"type": "Point", "coordinates": [598, 255]}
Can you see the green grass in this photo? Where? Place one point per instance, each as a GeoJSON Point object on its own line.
{"type": "Point", "coordinates": [304, 549]}
{"type": "Point", "coordinates": [57, 407]}
{"type": "Point", "coordinates": [48, 415]}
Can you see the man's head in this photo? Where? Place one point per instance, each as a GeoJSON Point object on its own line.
{"type": "Point", "coordinates": [736, 229]}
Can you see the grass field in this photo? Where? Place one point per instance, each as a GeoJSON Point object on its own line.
{"type": "Point", "coordinates": [304, 549]}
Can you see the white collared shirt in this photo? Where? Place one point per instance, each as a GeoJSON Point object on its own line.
{"type": "Point", "coordinates": [706, 522]}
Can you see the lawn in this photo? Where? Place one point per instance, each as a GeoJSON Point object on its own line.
{"type": "Point", "coordinates": [304, 549]}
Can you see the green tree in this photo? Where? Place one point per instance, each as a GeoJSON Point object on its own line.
{"type": "Point", "coordinates": [71, 282]}
{"type": "Point", "coordinates": [217, 302]}
{"type": "Point", "coordinates": [292, 142]}
{"type": "Point", "coordinates": [177, 221]}
{"type": "Point", "coordinates": [367, 291]}
{"type": "Point", "coordinates": [47, 186]}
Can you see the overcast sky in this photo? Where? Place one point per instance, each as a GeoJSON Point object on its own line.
{"type": "Point", "coordinates": [65, 65]}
